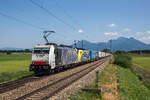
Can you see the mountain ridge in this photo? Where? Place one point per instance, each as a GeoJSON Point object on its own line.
{"type": "Point", "coordinates": [121, 43]}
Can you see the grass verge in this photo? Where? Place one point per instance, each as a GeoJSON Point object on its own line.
{"type": "Point", "coordinates": [142, 73]}
{"type": "Point", "coordinates": [130, 87]}
{"type": "Point", "coordinates": [13, 76]}
{"type": "Point", "coordinates": [108, 83]}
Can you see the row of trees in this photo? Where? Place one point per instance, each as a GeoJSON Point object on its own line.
{"type": "Point", "coordinates": [140, 51]}
{"type": "Point", "coordinates": [104, 50]}
{"type": "Point", "coordinates": [16, 51]}
{"type": "Point", "coordinates": [133, 51]}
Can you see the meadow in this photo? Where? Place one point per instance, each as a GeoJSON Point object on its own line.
{"type": "Point", "coordinates": [14, 66]}
{"type": "Point", "coordinates": [143, 61]}
{"type": "Point", "coordinates": [141, 68]}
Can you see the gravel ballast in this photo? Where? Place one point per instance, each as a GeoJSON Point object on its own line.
{"type": "Point", "coordinates": [28, 87]}
{"type": "Point", "coordinates": [74, 88]}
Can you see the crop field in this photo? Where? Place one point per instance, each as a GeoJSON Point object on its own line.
{"type": "Point", "coordinates": [14, 66]}
{"type": "Point", "coordinates": [143, 61]}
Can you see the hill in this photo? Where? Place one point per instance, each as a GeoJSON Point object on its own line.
{"type": "Point", "coordinates": [121, 43]}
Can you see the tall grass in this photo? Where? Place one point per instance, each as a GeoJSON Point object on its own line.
{"type": "Point", "coordinates": [131, 88]}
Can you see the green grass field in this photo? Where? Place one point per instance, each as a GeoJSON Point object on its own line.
{"type": "Point", "coordinates": [14, 66]}
{"type": "Point", "coordinates": [142, 69]}
{"type": "Point", "coordinates": [130, 87]}
{"type": "Point", "coordinates": [142, 61]}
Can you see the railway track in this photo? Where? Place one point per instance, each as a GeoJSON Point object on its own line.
{"type": "Point", "coordinates": [50, 86]}
{"type": "Point", "coordinates": [8, 86]}
{"type": "Point", "coordinates": [51, 89]}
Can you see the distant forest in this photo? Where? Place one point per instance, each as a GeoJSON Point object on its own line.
{"type": "Point", "coordinates": [16, 51]}
{"type": "Point", "coordinates": [105, 50]}
{"type": "Point", "coordinates": [140, 51]}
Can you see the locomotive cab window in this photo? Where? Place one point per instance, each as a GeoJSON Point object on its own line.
{"type": "Point", "coordinates": [45, 51]}
{"type": "Point", "coordinates": [41, 51]}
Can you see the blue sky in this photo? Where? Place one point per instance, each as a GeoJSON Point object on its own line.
{"type": "Point", "coordinates": [97, 20]}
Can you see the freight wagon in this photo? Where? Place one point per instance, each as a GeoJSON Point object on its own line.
{"type": "Point", "coordinates": [94, 55]}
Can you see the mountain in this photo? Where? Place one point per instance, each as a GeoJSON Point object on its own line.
{"type": "Point", "coordinates": [121, 43]}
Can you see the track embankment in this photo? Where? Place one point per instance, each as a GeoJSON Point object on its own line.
{"type": "Point", "coordinates": [47, 87]}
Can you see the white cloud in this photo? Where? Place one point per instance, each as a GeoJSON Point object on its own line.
{"type": "Point", "coordinates": [127, 30]}
{"type": "Point", "coordinates": [111, 25]}
{"type": "Point", "coordinates": [139, 33]}
{"type": "Point", "coordinates": [80, 30]}
{"type": "Point", "coordinates": [147, 32]}
{"type": "Point", "coordinates": [110, 33]}
{"type": "Point", "coordinates": [145, 39]}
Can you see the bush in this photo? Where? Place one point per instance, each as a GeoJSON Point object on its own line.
{"type": "Point", "coordinates": [123, 60]}
{"type": "Point", "coordinates": [8, 52]}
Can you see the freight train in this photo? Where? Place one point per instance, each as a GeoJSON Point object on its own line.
{"type": "Point", "coordinates": [52, 57]}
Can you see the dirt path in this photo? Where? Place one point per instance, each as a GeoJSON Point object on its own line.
{"type": "Point", "coordinates": [109, 84]}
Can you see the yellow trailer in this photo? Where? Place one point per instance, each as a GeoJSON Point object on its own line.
{"type": "Point", "coordinates": [80, 53]}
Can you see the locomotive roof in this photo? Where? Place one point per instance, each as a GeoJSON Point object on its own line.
{"type": "Point", "coordinates": [42, 46]}
{"type": "Point", "coordinates": [62, 45]}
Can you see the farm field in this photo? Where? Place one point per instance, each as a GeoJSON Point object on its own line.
{"type": "Point", "coordinates": [143, 61]}
{"type": "Point", "coordinates": [14, 66]}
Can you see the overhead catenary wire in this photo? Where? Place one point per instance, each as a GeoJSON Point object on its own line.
{"type": "Point", "coordinates": [71, 18]}
{"type": "Point", "coordinates": [20, 21]}
{"type": "Point", "coordinates": [66, 13]}
{"type": "Point", "coordinates": [53, 15]}
{"type": "Point", "coordinates": [59, 19]}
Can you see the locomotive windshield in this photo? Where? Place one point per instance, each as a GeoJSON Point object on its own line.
{"type": "Point", "coordinates": [41, 51]}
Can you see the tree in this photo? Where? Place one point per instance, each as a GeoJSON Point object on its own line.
{"type": "Point", "coordinates": [106, 50]}
{"type": "Point", "coordinates": [27, 50]}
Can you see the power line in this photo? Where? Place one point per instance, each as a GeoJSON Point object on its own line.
{"type": "Point", "coordinates": [35, 17]}
{"type": "Point", "coordinates": [66, 13]}
{"type": "Point", "coordinates": [20, 21]}
{"type": "Point", "coordinates": [69, 16]}
{"type": "Point", "coordinates": [53, 15]}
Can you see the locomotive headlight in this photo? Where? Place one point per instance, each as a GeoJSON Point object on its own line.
{"type": "Point", "coordinates": [32, 67]}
